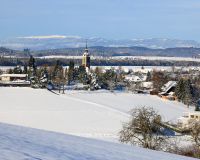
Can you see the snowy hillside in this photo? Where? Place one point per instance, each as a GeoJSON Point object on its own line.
{"type": "Point", "coordinates": [90, 114]}
{"type": "Point", "coordinates": [18, 143]}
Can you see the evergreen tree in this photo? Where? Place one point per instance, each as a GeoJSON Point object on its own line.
{"type": "Point", "coordinates": [17, 70]}
{"type": "Point", "coordinates": [10, 71]}
{"type": "Point", "coordinates": [94, 85]}
{"type": "Point", "coordinates": [58, 75]}
{"type": "Point", "coordinates": [148, 76]}
{"type": "Point", "coordinates": [32, 67]}
{"type": "Point", "coordinates": [109, 79]}
{"type": "Point", "coordinates": [31, 62]}
{"type": "Point", "coordinates": [99, 76]}
{"type": "Point", "coordinates": [70, 72]}
{"type": "Point", "coordinates": [197, 108]}
{"type": "Point", "coordinates": [32, 72]}
{"type": "Point", "coordinates": [25, 71]}
{"type": "Point", "coordinates": [187, 92]}
{"type": "Point", "coordinates": [43, 76]}
{"type": "Point", "coordinates": [82, 75]}
{"type": "Point", "coordinates": [179, 91]}
{"type": "Point", "coordinates": [184, 91]}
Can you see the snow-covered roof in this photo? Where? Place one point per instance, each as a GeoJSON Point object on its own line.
{"type": "Point", "coordinates": [18, 82]}
{"type": "Point", "coordinates": [85, 54]}
{"type": "Point", "coordinates": [147, 84]}
{"type": "Point", "coordinates": [168, 86]}
{"type": "Point", "coordinates": [14, 75]}
{"type": "Point", "coordinates": [133, 78]}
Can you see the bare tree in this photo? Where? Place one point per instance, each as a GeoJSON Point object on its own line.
{"type": "Point", "coordinates": [195, 132]}
{"type": "Point", "coordinates": [159, 78]}
{"type": "Point", "coordinates": [144, 129]}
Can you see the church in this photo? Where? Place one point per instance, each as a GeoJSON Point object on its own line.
{"type": "Point", "coordinates": [86, 58]}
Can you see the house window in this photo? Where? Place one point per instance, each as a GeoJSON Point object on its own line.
{"type": "Point", "coordinates": [192, 116]}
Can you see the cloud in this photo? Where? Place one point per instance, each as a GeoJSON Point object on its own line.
{"type": "Point", "coordinates": [50, 37]}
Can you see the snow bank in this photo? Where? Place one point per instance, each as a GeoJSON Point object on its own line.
{"type": "Point", "coordinates": [18, 143]}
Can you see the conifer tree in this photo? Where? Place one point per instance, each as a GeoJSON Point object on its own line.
{"type": "Point", "coordinates": [32, 67]}
{"type": "Point", "coordinates": [179, 91]}
{"type": "Point", "coordinates": [17, 70]}
{"type": "Point", "coordinates": [184, 91]}
{"type": "Point", "coordinates": [70, 72]}
{"type": "Point", "coordinates": [25, 71]}
{"type": "Point", "coordinates": [148, 76]}
{"type": "Point", "coordinates": [82, 75]}
{"type": "Point", "coordinates": [187, 92]}
{"type": "Point", "coordinates": [58, 75]}
{"type": "Point", "coordinates": [31, 62]}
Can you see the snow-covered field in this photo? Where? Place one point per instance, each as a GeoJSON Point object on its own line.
{"type": "Point", "coordinates": [153, 58]}
{"type": "Point", "coordinates": [98, 114]}
{"type": "Point", "coordinates": [19, 143]}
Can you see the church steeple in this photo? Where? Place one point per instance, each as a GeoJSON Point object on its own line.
{"type": "Point", "coordinates": [86, 57]}
{"type": "Point", "coordinates": [86, 47]}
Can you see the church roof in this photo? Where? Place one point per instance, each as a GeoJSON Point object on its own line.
{"type": "Point", "coordinates": [86, 53]}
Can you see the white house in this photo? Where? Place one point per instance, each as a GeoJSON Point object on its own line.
{"type": "Point", "coordinates": [14, 79]}
{"type": "Point", "coordinates": [188, 118]}
{"type": "Point", "coordinates": [133, 78]}
{"type": "Point", "coordinates": [147, 85]}
{"type": "Point", "coordinates": [168, 89]}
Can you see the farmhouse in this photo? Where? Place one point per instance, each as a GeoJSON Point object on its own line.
{"type": "Point", "coordinates": [168, 90]}
{"type": "Point", "coordinates": [133, 78]}
{"type": "Point", "coordinates": [14, 80]}
{"type": "Point", "coordinates": [188, 118]}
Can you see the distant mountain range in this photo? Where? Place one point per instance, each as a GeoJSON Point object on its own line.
{"type": "Point", "coordinates": [58, 41]}
{"type": "Point", "coordinates": [107, 51]}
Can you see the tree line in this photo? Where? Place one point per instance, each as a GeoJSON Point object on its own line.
{"type": "Point", "coordinates": [106, 61]}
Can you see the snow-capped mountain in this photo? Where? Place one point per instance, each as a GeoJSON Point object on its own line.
{"type": "Point", "coordinates": [62, 41]}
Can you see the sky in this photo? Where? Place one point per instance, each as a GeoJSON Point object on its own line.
{"type": "Point", "coordinates": [112, 19]}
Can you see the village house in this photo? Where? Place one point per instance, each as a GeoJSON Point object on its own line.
{"type": "Point", "coordinates": [136, 77]}
{"type": "Point", "coordinates": [168, 90]}
{"type": "Point", "coordinates": [133, 78]}
{"type": "Point", "coordinates": [14, 80]}
{"type": "Point", "coordinates": [188, 118]}
{"type": "Point", "coordinates": [147, 86]}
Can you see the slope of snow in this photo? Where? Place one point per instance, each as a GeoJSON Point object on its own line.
{"type": "Point", "coordinates": [90, 114]}
{"type": "Point", "coordinates": [45, 110]}
{"type": "Point", "coordinates": [18, 143]}
{"type": "Point", "coordinates": [124, 102]}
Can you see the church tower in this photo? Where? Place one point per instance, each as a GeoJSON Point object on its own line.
{"type": "Point", "coordinates": [86, 58]}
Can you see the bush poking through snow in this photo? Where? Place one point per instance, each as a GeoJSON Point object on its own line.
{"type": "Point", "coordinates": [189, 151]}
{"type": "Point", "coordinates": [195, 132]}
